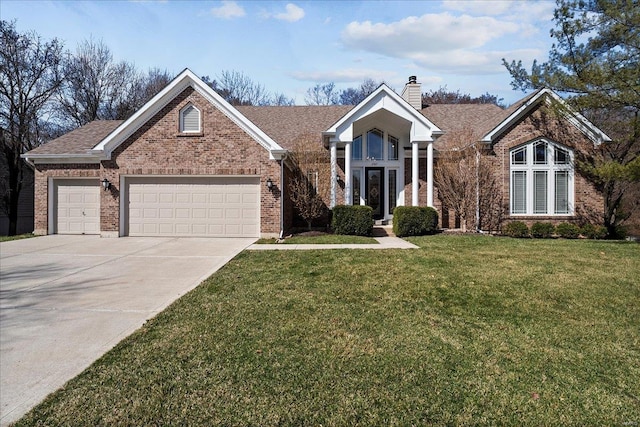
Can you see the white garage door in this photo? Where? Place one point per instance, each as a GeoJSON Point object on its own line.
{"type": "Point", "coordinates": [78, 206]}
{"type": "Point", "coordinates": [194, 206]}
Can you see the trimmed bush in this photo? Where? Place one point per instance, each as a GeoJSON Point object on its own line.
{"type": "Point", "coordinates": [516, 229]}
{"type": "Point", "coordinates": [414, 221]}
{"type": "Point", "coordinates": [568, 230]}
{"type": "Point", "coordinates": [352, 220]}
{"type": "Point", "coordinates": [591, 231]}
{"type": "Point", "coordinates": [542, 230]}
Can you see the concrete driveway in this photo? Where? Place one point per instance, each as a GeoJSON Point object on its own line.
{"type": "Point", "coordinates": [66, 300]}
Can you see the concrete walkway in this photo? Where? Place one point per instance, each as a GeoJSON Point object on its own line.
{"type": "Point", "coordinates": [386, 242]}
{"type": "Point", "coordinates": [66, 300]}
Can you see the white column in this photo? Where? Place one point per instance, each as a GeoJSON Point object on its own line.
{"type": "Point", "coordinates": [430, 174]}
{"type": "Point", "coordinates": [415, 176]}
{"type": "Point", "coordinates": [347, 173]}
{"type": "Point", "coordinates": [334, 172]}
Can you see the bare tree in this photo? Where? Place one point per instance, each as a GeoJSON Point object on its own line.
{"type": "Point", "coordinates": [466, 183]}
{"type": "Point", "coordinates": [446, 96]}
{"type": "Point", "coordinates": [96, 87]}
{"type": "Point", "coordinates": [311, 179]}
{"type": "Point", "coordinates": [31, 73]}
{"type": "Point", "coordinates": [322, 94]}
{"type": "Point", "coordinates": [353, 96]}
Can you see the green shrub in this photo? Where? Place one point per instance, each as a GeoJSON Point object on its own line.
{"type": "Point", "coordinates": [591, 231]}
{"type": "Point", "coordinates": [542, 230]}
{"type": "Point", "coordinates": [568, 230]}
{"type": "Point", "coordinates": [516, 229]}
{"type": "Point", "coordinates": [414, 221]}
{"type": "Point", "coordinates": [352, 220]}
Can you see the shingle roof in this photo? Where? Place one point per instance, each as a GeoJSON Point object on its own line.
{"type": "Point", "coordinates": [79, 141]}
{"type": "Point", "coordinates": [290, 124]}
{"type": "Point", "coordinates": [477, 118]}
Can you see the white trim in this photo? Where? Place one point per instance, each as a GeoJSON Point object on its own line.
{"type": "Point", "coordinates": [175, 87]}
{"type": "Point", "coordinates": [547, 95]}
{"type": "Point", "coordinates": [415, 173]}
{"type": "Point", "coordinates": [430, 174]}
{"type": "Point", "coordinates": [181, 119]}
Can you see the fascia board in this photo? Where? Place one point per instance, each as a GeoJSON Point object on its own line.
{"type": "Point", "coordinates": [62, 158]}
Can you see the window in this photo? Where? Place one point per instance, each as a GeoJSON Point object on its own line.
{"type": "Point", "coordinates": [355, 185]}
{"type": "Point", "coordinates": [374, 144]}
{"type": "Point", "coordinates": [190, 119]}
{"type": "Point", "coordinates": [356, 148]}
{"type": "Point", "coordinates": [392, 190]}
{"type": "Point", "coordinates": [392, 148]}
{"type": "Point", "coordinates": [312, 179]}
{"type": "Point", "coordinates": [541, 179]}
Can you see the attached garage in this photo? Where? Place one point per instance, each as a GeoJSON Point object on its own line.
{"type": "Point", "coordinates": [192, 206]}
{"type": "Point", "coordinates": [76, 206]}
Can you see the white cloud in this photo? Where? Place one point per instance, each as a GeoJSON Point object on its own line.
{"type": "Point", "coordinates": [228, 10]}
{"type": "Point", "coordinates": [293, 13]}
{"type": "Point", "coordinates": [512, 10]}
{"type": "Point", "coordinates": [432, 32]}
{"type": "Point", "coordinates": [463, 61]}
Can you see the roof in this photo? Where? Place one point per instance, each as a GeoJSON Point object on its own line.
{"type": "Point", "coordinates": [478, 118]}
{"type": "Point", "coordinates": [79, 141]}
{"type": "Point", "coordinates": [289, 124]}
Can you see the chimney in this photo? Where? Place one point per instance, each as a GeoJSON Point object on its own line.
{"type": "Point", "coordinates": [412, 93]}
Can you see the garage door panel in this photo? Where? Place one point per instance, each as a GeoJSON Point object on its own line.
{"type": "Point", "coordinates": [77, 206]}
{"type": "Point", "coordinates": [194, 206]}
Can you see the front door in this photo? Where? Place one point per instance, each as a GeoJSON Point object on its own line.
{"type": "Point", "coordinates": [374, 191]}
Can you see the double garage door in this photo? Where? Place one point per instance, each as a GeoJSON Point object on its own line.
{"type": "Point", "coordinates": [193, 206]}
{"type": "Point", "coordinates": [166, 206]}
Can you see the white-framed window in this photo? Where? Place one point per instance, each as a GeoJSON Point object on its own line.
{"type": "Point", "coordinates": [312, 178]}
{"type": "Point", "coordinates": [372, 145]}
{"type": "Point", "coordinates": [541, 179]}
{"type": "Point", "coordinates": [356, 149]}
{"type": "Point", "coordinates": [190, 119]}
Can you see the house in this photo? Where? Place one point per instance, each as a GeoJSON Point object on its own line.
{"type": "Point", "coordinates": [190, 164]}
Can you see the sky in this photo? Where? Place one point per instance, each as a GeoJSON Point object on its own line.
{"type": "Point", "coordinates": [288, 47]}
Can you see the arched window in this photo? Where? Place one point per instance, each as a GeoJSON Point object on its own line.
{"type": "Point", "coordinates": [190, 119]}
{"type": "Point", "coordinates": [541, 179]}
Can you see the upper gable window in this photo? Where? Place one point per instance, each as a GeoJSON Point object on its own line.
{"type": "Point", "coordinates": [190, 119]}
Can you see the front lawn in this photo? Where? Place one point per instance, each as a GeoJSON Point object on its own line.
{"type": "Point", "coordinates": [466, 330]}
{"type": "Point", "coordinates": [321, 239]}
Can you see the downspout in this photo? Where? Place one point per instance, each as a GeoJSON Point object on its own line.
{"type": "Point", "coordinates": [282, 195]}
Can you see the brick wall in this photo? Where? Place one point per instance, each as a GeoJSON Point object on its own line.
{"type": "Point", "coordinates": [547, 122]}
{"type": "Point", "coordinates": [157, 148]}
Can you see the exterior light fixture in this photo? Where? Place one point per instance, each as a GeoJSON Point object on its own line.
{"type": "Point", "coordinates": [269, 183]}
{"type": "Point", "coordinates": [106, 184]}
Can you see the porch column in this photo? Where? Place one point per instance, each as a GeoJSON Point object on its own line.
{"type": "Point", "coordinates": [415, 176]}
{"type": "Point", "coordinates": [347, 173]}
{"type": "Point", "coordinates": [334, 172]}
{"type": "Point", "coordinates": [430, 174]}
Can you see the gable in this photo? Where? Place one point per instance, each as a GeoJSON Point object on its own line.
{"type": "Point", "coordinates": [545, 97]}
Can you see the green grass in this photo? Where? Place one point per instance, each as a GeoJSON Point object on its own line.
{"type": "Point", "coordinates": [17, 237]}
{"type": "Point", "coordinates": [464, 331]}
{"type": "Point", "coordinates": [322, 239]}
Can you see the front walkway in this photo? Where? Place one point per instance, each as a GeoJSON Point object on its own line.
{"type": "Point", "coordinates": [386, 242]}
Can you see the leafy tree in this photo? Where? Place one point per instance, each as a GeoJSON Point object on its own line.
{"type": "Point", "coordinates": [595, 62]}
{"type": "Point", "coordinates": [31, 73]}
{"type": "Point", "coordinates": [96, 87]}
{"type": "Point", "coordinates": [444, 96]}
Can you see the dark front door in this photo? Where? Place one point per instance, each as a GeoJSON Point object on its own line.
{"type": "Point", "coordinates": [374, 191]}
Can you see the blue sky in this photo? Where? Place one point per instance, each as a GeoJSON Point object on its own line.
{"type": "Point", "coordinates": [290, 46]}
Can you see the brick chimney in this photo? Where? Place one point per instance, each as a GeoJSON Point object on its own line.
{"type": "Point", "coordinates": [412, 93]}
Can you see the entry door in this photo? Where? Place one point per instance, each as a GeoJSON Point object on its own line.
{"type": "Point", "coordinates": [374, 191]}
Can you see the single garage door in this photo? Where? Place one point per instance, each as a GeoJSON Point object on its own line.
{"type": "Point", "coordinates": [194, 206]}
{"type": "Point", "coordinates": [77, 206]}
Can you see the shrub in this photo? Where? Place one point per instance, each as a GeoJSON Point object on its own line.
{"type": "Point", "coordinates": [542, 230]}
{"type": "Point", "coordinates": [591, 231]}
{"type": "Point", "coordinates": [516, 229]}
{"type": "Point", "coordinates": [414, 221]}
{"type": "Point", "coordinates": [352, 220]}
{"type": "Point", "coordinates": [568, 230]}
